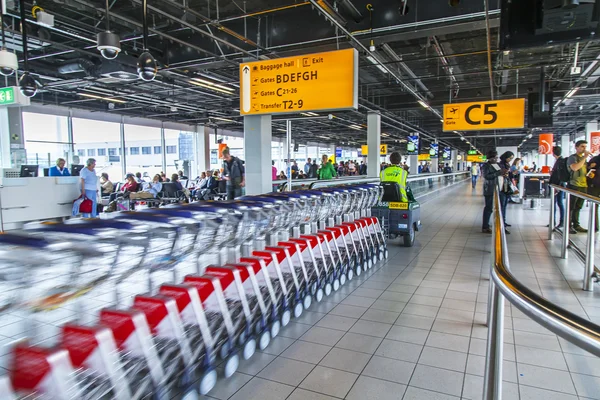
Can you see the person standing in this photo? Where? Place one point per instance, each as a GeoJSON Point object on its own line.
{"type": "Point", "coordinates": [89, 186]}
{"type": "Point", "coordinates": [594, 182]}
{"type": "Point", "coordinates": [273, 171]}
{"type": "Point", "coordinates": [474, 174]}
{"type": "Point", "coordinates": [59, 169]}
{"type": "Point", "coordinates": [307, 167]}
{"type": "Point", "coordinates": [234, 173]}
{"type": "Point", "coordinates": [490, 171]}
{"type": "Point", "coordinates": [578, 169]}
{"type": "Point", "coordinates": [327, 170]}
{"type": "Point", "coordinates": [505, 188]}
{"type": "Point", "coordinates": [559, 176]}
{"type": "Point", "coordinates": [313, 172]}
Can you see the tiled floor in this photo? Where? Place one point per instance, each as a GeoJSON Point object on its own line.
{"type": "Point", "coordinates": [413, 328]}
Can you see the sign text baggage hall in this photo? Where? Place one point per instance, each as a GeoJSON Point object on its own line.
{"type": "Point", "coordinates": [315, 82]}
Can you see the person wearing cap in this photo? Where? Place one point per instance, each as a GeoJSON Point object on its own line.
{"type": "Point", "coordinates": [396, 173]}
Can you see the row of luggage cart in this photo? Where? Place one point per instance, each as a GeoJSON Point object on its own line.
{"type": "Point", "coordinates": [164, 302]}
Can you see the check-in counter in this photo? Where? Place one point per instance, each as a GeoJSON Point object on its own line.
{"type": "Point", "coordinates": [30, 199]}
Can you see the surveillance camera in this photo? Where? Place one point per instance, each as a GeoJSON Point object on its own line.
{"type": "Point", "coordinates": [147, 67]}
{"type": "Point", "coordinates": [109, 45]}
{"type": "Point", "coordinates": [330, 116]}
{"type": "Point", "coordinates": [27, 85]}
{"type": "Point", "coordinates": [111, 106]}
{"type": "Point", "coordinates": [8, 62]}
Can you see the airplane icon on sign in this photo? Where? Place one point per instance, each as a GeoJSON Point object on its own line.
{"type": "Point", "coordinates": [453, 110]}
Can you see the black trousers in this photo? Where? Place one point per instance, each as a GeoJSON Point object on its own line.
{"type": "Point", "coordinates": [488, 210]}
{"type": "Point", "coordinates": [576, 205]}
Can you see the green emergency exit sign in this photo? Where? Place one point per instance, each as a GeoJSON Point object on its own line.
{"type": "Point", "coordinates": [7, 96]}
{"type": "Point", "coordinates": [472, 152]}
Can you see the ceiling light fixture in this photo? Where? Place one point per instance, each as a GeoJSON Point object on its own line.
{"type": "Point", "coordinates": [423, 104]}
{"type": "Point", "coordinates": [216, 89]}
{"type": "Point", "coordinates": [211, 84]}
{"type": "Point", "coordinates": [376, 63]}
{"type": "Point", "coordinates": [108, 43]}
{"type": "Point", "coordinates": [93, 96]}
{"type": "Point", "coordinates": [572, 92]}
{"type": "Point", "coordinates": [27, 85]}
{"type": "Point", "coordinates": [146, 64]}
{"type": "Point", "coordinates": [223, 119]}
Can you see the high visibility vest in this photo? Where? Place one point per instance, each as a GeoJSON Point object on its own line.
{"type": "Point", "coordinates": [398, 175]}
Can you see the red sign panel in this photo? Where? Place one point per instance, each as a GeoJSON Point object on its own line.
{"type": "Point", "coordinates": [546, 143]}
{"type": "Point", "coordinates": [595, 142]}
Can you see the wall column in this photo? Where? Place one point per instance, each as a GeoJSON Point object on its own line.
{"type": "Point", "coordinates": [374, 142]}
{"type": "Point", "coordinates": [257, 153]}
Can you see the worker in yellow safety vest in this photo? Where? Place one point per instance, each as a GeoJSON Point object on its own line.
{"type": "Point", "coordinates": [395, 173]}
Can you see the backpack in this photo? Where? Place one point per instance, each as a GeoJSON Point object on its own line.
{"type": "Point", "coordinates": [562, 173]}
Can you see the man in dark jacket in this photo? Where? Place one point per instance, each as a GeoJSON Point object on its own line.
{"type": "Point", "coordinates": [559, 196]}
{"type": "Point", "coordinates": [594, 182]}
{"type": "Point", "coordinates": [234, 173]}
{"type": "Point", "coordinates": [490, 171]}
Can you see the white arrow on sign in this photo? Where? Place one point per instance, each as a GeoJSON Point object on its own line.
{"type": "Point", "coordinates": [246, 99]}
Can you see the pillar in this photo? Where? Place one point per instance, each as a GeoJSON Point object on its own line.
{"type": "Point", "coordinates": [454, 160]}
{"type": "Point", "coordinates": [8, 129]}
{"type": "Point", "coordinates": [565, 144]}
{"type": "Point", "coordinates": [435, 161]}
{"type": "Point", "coordinates": [413, 163]}
{"type": "Point", "coordinates": [201, 149]}
{"type": "Point", "coordinates": [373, 142]}
{"type": "Point", "coordinates": [257, 153]}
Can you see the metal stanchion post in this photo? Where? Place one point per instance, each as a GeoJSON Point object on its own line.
{"type": "Point", "coordinates": [566, 226]}
{"type": "Point", "coordinates": [588, 283]}
{"type": "Point", "coordinates": [552, 211]}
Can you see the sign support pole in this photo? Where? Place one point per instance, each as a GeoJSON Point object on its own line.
{"type": "Point", "coordinates": [288, 129]}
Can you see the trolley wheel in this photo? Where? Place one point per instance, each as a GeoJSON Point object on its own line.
{"type": "Point", "coordinates": [342, 279]}
{"type": "Point", "coordinates": [319, 295]}
{"type": "Point", "coordinates": [306, 302]}
{"type": "Point", "coordinates": [298, 310]}
{"type": "Point", "coordinates": [249, 348]}
{"type": "Point", "coordinates": [275, 328]}
{"type": "Point", "coordinates": [313, 288]}
{"type": "Point", "coordinates": [231, 364]}
{"type": "Point", "coordinates": [374, 258]}
{"type": "Point", "coordinates": [264, 339]}
{"type": "Point", "coordinates": [409, 239]}
{"type": "Point", "coordinates": [190, 394]}
{"type": "Point", "coordinates": [336, 285]}
{"type": "Point", "coordinates": [328, 289]}
{"type": "Point", "coordinates": [286, 316]}
{"type": "Point", "coordinates": [224, 350]}
{"type": "Point", "coordinates": [208, 380]}
{"type": "Point", "coordinates": [350, 274]}
{"type": "Point", "coordinates": [358, 271]}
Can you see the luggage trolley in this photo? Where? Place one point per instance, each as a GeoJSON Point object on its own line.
{"type": "Point", "coordinates": [373, 226]}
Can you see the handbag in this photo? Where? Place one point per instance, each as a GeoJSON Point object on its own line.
{"type": "Point", "coordinates": [86, 206]}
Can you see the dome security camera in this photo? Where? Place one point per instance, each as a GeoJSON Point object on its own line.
{"type": "Point", "coordinates": [27, 85]}
{"type": "Point", "coordinates": [8, 62]}
{"type": "Point", "coordinates": [147, 67]}
{"type": "Point", "coordinates": [109, 45]}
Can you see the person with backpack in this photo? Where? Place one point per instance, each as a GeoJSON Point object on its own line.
{"type": "Point", "coordinates": [594, 182]}
{"type": "Point", "coordinates": [234, 173]}
{"type": "Point", "coordinates": [578, 181]}
{"type": "Point", "coordinates": [490, 171]}
{"type": "Point", "coordinates": [559, 176]}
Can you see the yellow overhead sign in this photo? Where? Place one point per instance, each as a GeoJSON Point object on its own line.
{"type": "Point", "coordinates": [311, 82]}
{"type": "Point", "coordinates": [499, 114]}
{"type": "Point", "coordinates": [476, 158]}
{"type": "Point", "coordinates": [364, 149]}
{"type": "Point", "coordinates": [424, 157]}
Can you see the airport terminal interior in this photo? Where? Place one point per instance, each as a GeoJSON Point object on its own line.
{"type": "Point", "coordinates": [299, 200]}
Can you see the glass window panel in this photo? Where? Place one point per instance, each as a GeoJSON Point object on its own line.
{"type": "Point", "coordinates": [157, 150]}
{"type": "Point", "coordinates": [100, 134]}
{"type": "Point", "coordinates": [147, 150]}
{"type": "Point", "coordinates": [46, 139]}
{"type": "Point", "coordinates": [81, 152]}
{"type": "Point", "coordinates": [171, 149]}
{"type": "Point", "coordinates": [137, 136]}
{"type": "Point", "coordinates": [91, 152]}
{"type": "Point", "coordinates": [101, 152]}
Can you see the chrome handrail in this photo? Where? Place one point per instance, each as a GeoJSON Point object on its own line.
{"type": "Point", "coordinates": [411, 178]}
{"type": "Point", "coordinates": [589, 270]}
{"type": "Point", "coordinates": [503, 284]}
